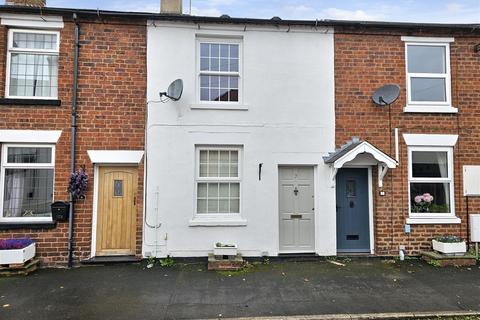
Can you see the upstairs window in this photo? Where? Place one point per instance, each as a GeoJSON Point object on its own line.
{"type": "Point", "coordinates": [428, 76]}
{"type": "Point", "coordinates": [27, 179]}
{"type": "Point", "coordinates": [32, 64]}
{"type": "Point", "coordinates": [219, 71]}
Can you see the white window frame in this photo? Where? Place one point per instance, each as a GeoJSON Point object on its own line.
{"type": "Point", "coordinates": [415, 217]}
{"type": "Point", "coordinates": [429, 106]}
{"type": "Point", "coordinates": [198, 179]}
{"type": "Point", "coordinates": [219, 104]}
{"type": "Point", "coordinates": [11, 49]}
{"type": "Point", "coordinates": [5, 165]}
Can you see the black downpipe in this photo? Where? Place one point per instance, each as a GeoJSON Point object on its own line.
{"type": "Point", "coordinates": [73, 136]}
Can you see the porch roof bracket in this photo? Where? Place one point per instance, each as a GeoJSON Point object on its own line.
{"type": "Point", "coordinates": [333, 175]}
{"type": "Point", "coordinates": [382, 171]}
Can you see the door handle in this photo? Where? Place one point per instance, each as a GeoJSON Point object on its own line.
{"type": "Point", "coordinates": [352, 204]}
{"type": "Point", "coordinates": [134, 201]}
{"type": "Point", "coordinates": [295, 191]}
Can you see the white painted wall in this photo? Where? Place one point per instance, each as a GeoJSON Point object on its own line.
{"type": "Point", "coordinates": [288, 83]}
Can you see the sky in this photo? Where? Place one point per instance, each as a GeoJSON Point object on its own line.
{"type": "Point", "coordinates": [442, 11]}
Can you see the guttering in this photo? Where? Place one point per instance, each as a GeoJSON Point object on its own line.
{"type": "Point", "coordinates": [472, 27]}
{"type": "Point", "coordinates": [73, 135]}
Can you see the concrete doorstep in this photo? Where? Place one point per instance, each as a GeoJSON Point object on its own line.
{"type": "Point", "coordinates": [372, 316]}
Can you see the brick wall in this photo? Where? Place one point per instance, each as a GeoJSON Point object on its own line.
{"type": "Point", "coordinates": [366, 59]}
{"type": "Point", "coordinates": [111, 107]}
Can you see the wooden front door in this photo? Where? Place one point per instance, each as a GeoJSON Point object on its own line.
{"type": "Point", "coordinates": [116, 211]}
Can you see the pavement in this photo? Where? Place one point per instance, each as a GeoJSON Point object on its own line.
{"type": "Point", "coordinates": [276, 288]}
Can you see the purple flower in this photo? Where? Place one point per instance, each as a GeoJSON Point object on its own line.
{"type": "Point", "coordinates": [77, 185]}
{"type": "Point", "coordinates": [11, 244]}
{"type": "Point", "coordinates": [418, 199]}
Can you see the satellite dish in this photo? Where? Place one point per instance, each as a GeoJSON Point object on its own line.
{"type": "Point", "coordinates": [174, 91]}
{"type": "Point", "coordinates": [386, 95]}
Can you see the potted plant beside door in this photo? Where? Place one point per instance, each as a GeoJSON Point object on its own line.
{"type": "Point", "coordinates": [223, 249]}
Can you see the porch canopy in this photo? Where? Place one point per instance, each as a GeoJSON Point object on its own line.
{"type": "Point", "coordinates": [357, 153]}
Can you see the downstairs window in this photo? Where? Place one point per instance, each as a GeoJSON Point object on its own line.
{"type": "Point", "coordinates": [27, 180]}
{"type": "Point", "coordinates": [218, 181]}
{"type": "Point", "coordinates": [431, 182]}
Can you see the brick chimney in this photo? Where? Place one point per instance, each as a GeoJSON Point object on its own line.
{"type": "Point", "coordinates": [26, 3]}
{"type": "Point", "coordinates": [171, 6]}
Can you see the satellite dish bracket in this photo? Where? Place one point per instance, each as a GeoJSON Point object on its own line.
{"type": "Point", "coordinates": [164, 94]}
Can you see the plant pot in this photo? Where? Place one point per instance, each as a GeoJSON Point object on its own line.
{"type": "Point", "coordinates": [455, 248]}
{"type": "Point", "coordinates": [17, 256]}
{"type": "Point", "coordinates": [225, 251]}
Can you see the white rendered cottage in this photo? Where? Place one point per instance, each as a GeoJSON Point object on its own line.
{"type": "Point", "coordinates": [239, 158]}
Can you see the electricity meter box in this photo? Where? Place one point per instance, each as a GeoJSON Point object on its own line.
{"type": "Point", "coordinates": [475, 227]}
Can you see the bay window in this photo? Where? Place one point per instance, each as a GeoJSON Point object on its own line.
{"type": "Point", "coordinates": [27, 173]}
{"type": "Point", "coordinates": [32, 64]}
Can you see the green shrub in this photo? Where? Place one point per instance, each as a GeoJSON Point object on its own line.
{"type": "Point", "coordinates": [167, 262]}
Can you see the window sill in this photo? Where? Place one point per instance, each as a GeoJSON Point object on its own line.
{"type": "Point", "coordinates": [27, 225]}
{"type": "Point", "coordinates": [30, 102]}
{"type": "Point", "coordinates": [218, 222]}
{"type": "Point", "coordinates": [429, 109]}
{"type": "Point", "coordinates": [220, 106]}
{"type": "Point", "coordinates": [434, 220]}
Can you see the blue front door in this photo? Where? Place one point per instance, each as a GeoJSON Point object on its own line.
{"type": "Point", "coordinates": [353, 227]}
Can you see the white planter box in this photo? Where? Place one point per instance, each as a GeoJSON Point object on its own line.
{"type": "Point", "coordinates": [17, 256]}
{"type": "Point", "coordinates": [457, 248]}
{"type": "Point", "coordinates": [225, 251]}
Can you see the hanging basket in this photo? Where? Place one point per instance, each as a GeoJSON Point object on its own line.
{"type": "Point", "coordinates": [77, 184]}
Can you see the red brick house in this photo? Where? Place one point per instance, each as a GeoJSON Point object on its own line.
{"type": "Point", "coordinates": [436, 119]}
{"type": "Point", "coordinates": [38, 64]}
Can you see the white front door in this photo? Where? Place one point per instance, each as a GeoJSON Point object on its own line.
{"type": "Point", "coordinates": [297, 209]}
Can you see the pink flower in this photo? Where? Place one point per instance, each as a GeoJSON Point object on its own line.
{"type": "Point", "coordinates": [418, 199]}
{"type": "Point", "coordinates": [427, 197]}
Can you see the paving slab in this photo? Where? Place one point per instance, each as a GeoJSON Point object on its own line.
{"type": "Point", "coordinates": [362, 286]}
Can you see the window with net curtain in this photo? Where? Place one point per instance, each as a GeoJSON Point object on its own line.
{"type": "Point", "coordinates": [33, 64]}
{"type": "Point", "coordinates": [218, 181]}
{"type": "Point", "coordinates": [431, 182]}
{"type": "Point", "coordinates": [28, 173]}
